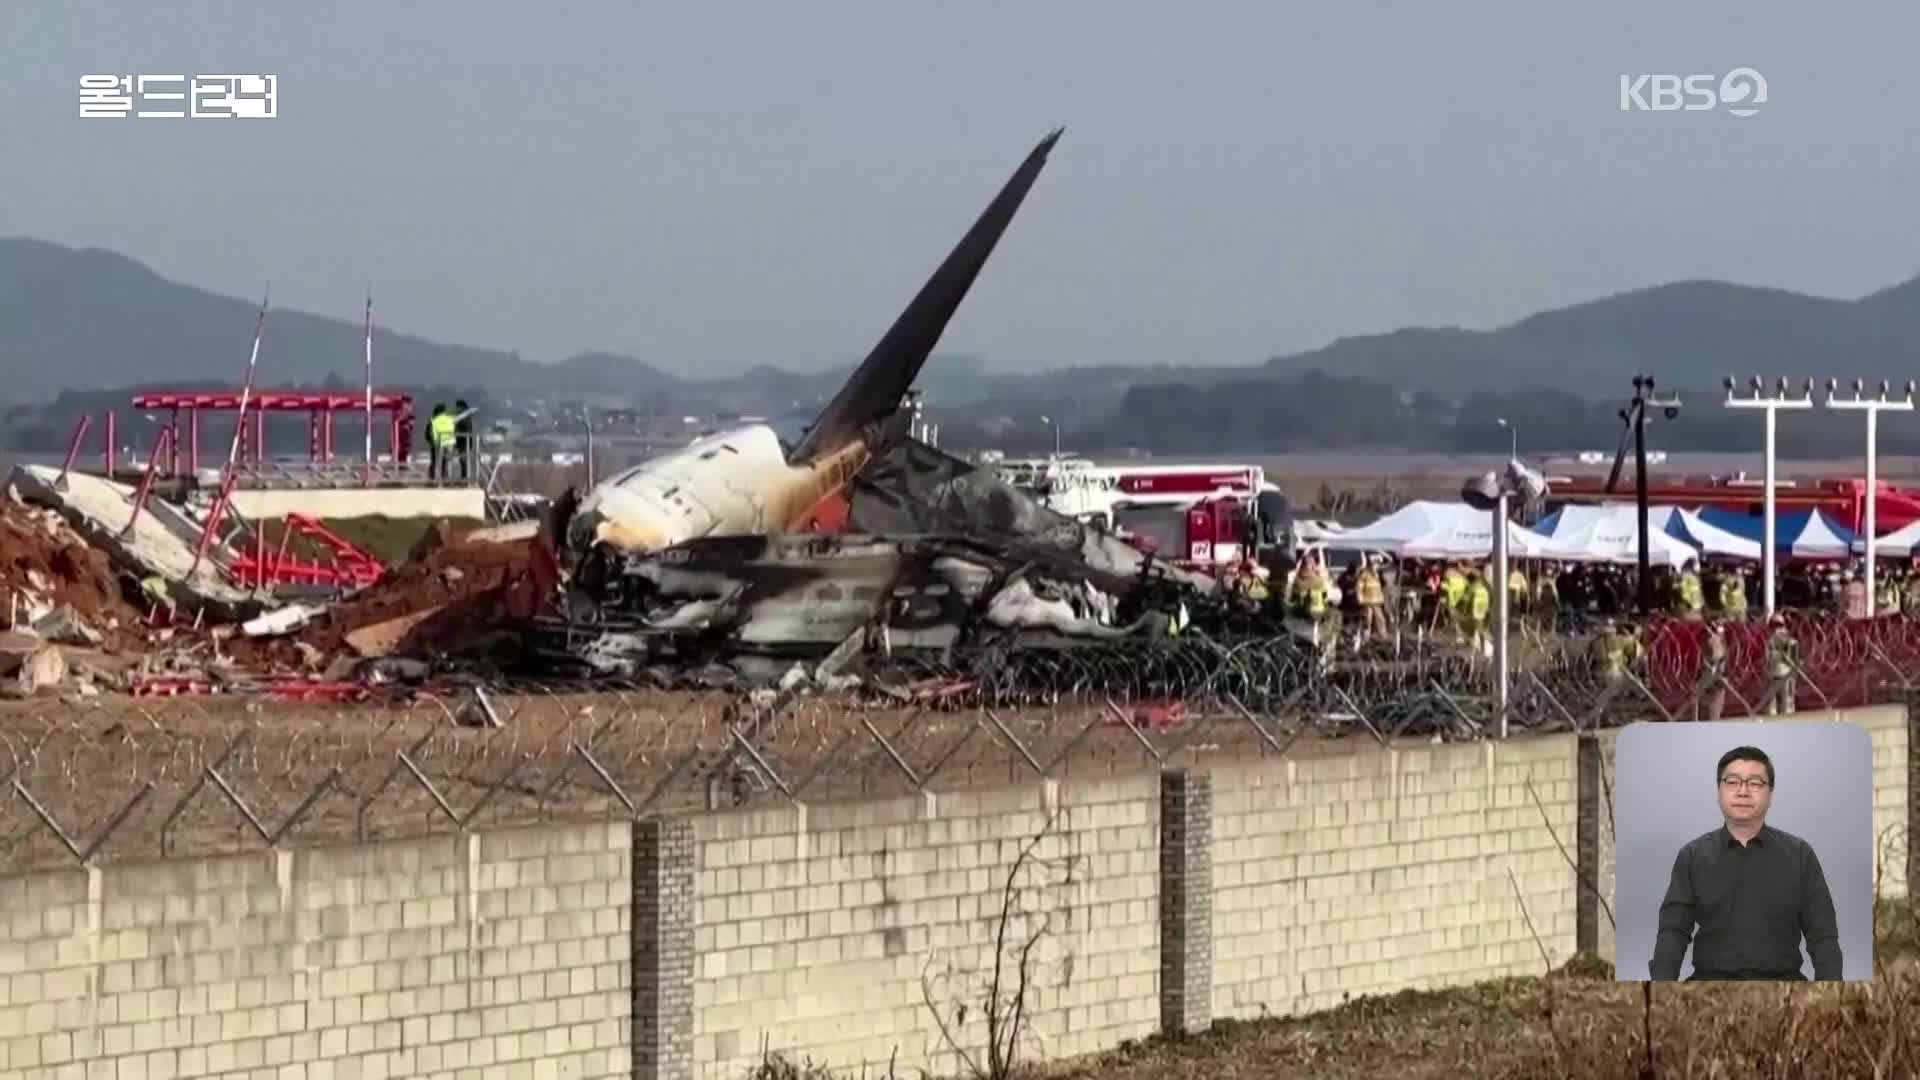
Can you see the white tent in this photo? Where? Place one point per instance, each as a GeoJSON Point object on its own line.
{"type": "Point", "coordinates": [1710, 538]}
{"type": "Point", "coordinates": [1611, 533]}
{"type": "Point", "coordinates": [1897, 544]}
{"type": "Point", "coordinates": [1436, 530]}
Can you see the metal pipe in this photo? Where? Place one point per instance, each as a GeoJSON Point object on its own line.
{"type": "Point", "coordinates": [1501, 611]}
{"type": "Point", "coordinates": [161, 445]}
{"type": "Point", "coordinates": [73, 450]}
{"type": "Point", "coordinates": [1640, 504]}
{"type": "Point", "coordinates": [1766, 542]}
{"type": "Point", "coordinates": [113, 436]}
{"type": "Point", "coordinates": [1873, 432]}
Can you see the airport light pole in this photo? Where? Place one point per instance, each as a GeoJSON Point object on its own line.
{"type": "Point", "coordinates": [1048, 420]}
{"type": "Point", "coordinates": [1513, 438]}
{"type": "Point", "coordinates": [1494, 492]}
{"type": "Point", "coordinates": [1872, 407]}
{"type": "Point", "coordinates": [1771, 405]}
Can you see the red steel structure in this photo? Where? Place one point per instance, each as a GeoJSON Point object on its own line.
{"type": "Point", "coordinates": [1844, 499]}
{"type": "Point", "coordinates": [319, 407]}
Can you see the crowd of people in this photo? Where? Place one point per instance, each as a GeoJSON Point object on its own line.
{"type": "Point", "coordinates": [1375, 600]}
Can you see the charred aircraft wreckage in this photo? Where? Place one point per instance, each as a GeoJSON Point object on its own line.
{"type": "Point", "coordinates": [748, 558]}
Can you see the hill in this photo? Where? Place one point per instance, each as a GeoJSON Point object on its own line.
{"type": "Point", "coordinates": [1689, 333]}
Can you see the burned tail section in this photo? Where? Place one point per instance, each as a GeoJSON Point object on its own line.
{"type": "Point", "coordinates": [888, 372]}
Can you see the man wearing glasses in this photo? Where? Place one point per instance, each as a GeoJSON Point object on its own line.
{"type": "Point", "coordinates": [1746, 893]}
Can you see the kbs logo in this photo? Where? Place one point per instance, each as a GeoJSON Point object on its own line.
{"type": "Point", "coordinates": [1740, 91]}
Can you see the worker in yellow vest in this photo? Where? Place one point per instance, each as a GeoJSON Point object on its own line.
{"type": "Point", "coordinates": [1518, 593]}
{"type": "Point", "coordinates": [1689, 600]}
{"type": "Point", "coordinates": [1886, 592]}
{"type": "Point", "coordinates": [1783, 666]}
{"type": "Point", "coordinates": [441, 430]}
{"type": "Point", "coordinates": [1616, 650]}
{"type": "Point", "coordinates": [1713, 667]}
{"type": "Point", "coordinates": [1373, 603]}
{"type": "Point", "coordinates": [1479, 603]}
{"type": "Point", "coordinates": [1733, 595]}
{"type": "Point", "coordinates": [1453, 600]}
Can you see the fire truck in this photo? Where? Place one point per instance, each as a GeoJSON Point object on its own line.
{"type": "Point", "coordinates": [1200, 516]}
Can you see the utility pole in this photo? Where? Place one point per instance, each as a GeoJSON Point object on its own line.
{"type": "Point", "coordinates": [1771, 406]}
{"type": "Point", "coordinates": [1635, 418]}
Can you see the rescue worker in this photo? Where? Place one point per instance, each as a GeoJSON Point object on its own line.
{"type": "Point", "coordinates": [1617, 650]}
{"type": "Point", "coordinates": [1783, 666]}
{"type": "Point", "coordinates": [1733, 595]}
{"type": "Point", "coordinates": [1886, 592]}
{"type": "Point", "coordinates": [1713, 666]}
{"type": "Point", "coordinates": [1546, 598]}
{"type": "Point", "coordinates": [441, 433]}
{"type": "Point", "coordinates": [1177, 622]}
{"type": "Point", "coordinates": [1479, 602]}
{"type": "Point", "coordinates": [464, 444]}
{"type": "Point", "coordinates": [1518, 594]}
{"type": "Point", "coordinates": [1853, 596]}
{"type": "Point", "coordinates": [1253, 585]}
{"type": "Point", "coordinates": [1453, 601]}
{"type": "Point", "coordinates": [1413, 594]}
{"type": "Point", "coordinates": [1689, 602]}
{"type": "Point", "coordinates": [1910, 597]}
{"type": "Point", "coordinates": [1373, 602]}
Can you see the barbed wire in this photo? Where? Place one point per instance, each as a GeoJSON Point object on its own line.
{"type": "Point", "coordinates": [209, 775]}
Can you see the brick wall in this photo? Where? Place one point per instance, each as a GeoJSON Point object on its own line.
{"type": "Point", "coordinates": [824, 931]}
{"type": "Point", "coordinates": [474, 957]}
{"type": "Point", "coordinates": [1386, 869]}
{"type": "Point", "coordinates": [848, 934]}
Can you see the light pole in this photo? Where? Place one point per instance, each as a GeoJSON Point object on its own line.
{"type": "Point", "coordinates": [1513, 438]}
{"type": "Point", "coordinates": [1872, 407]}
{"type": "Point", "coordinates": [1048, 420]}
{"type": "Point", "coordinates": [1492, 491]}
{"type": "Point", "coordinates": [1771, 406]}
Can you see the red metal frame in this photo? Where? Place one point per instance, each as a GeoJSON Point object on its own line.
{"type": "Point", "coordinates": [346, 565]}
{"type": "Point", "coordinates": [73, 450]}
{"type": "Point", "coordinates": [318, 407]}
{"type": "Point", "coordinates": [161, 444]}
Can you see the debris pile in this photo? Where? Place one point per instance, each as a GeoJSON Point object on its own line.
{"type": "Point", "coordinates": [60, 587]}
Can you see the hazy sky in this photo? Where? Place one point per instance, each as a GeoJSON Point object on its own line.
{"type": "Point", "coordinates": [713, 185]}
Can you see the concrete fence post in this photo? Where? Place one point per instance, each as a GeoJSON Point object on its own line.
{"type": "Point", "coordinates": [1186, 901]}
{"type": "Point", "coordinates": [1591, 815]}
{"type": "Point", "coordinates": [663, 858]}
{"type": "Point", "coordinates": [1913, 800]}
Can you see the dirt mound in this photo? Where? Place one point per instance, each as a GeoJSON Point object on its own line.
{"type": "Point", "coordinates": [467, 580]}
{"type": "Point", "coordinates": [42, 560]}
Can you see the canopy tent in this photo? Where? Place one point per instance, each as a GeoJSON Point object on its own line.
{"type": "Point", "coordinates": [1803, 534]}
{"type": "Point", "coordinates": [1436, 530]}
{"type": "Point", "coordinates": [1611, 534]}
{"type": "Point", "coordinates": [1898, 543]}
{"type": "Point", "coordinates": [1689, 526]}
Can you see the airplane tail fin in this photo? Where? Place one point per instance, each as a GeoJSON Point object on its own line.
{"type": "Point", "coordinates": [888, 372]}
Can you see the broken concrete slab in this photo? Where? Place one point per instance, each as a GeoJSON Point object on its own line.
{"type": "Point", "coordinates": [28, 671]}
{"type": "Point", "coordinates": [518, 532]}
{"type": "Point", "coordinates": [161, 542]}
{"type": "Point", "coordinates": [65, 627]}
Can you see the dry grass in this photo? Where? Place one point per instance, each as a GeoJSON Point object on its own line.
{"type": "Point", "coordinates": [1577, 1022]}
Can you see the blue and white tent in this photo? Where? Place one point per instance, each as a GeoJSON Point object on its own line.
{"type": "Point", "coordinates": [1610, 533]}
{"type": "Point", "coordinates": [1803, 534]}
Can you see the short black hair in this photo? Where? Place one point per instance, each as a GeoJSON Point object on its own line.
{"type": "Point", "coordinates": [1744, 753]}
